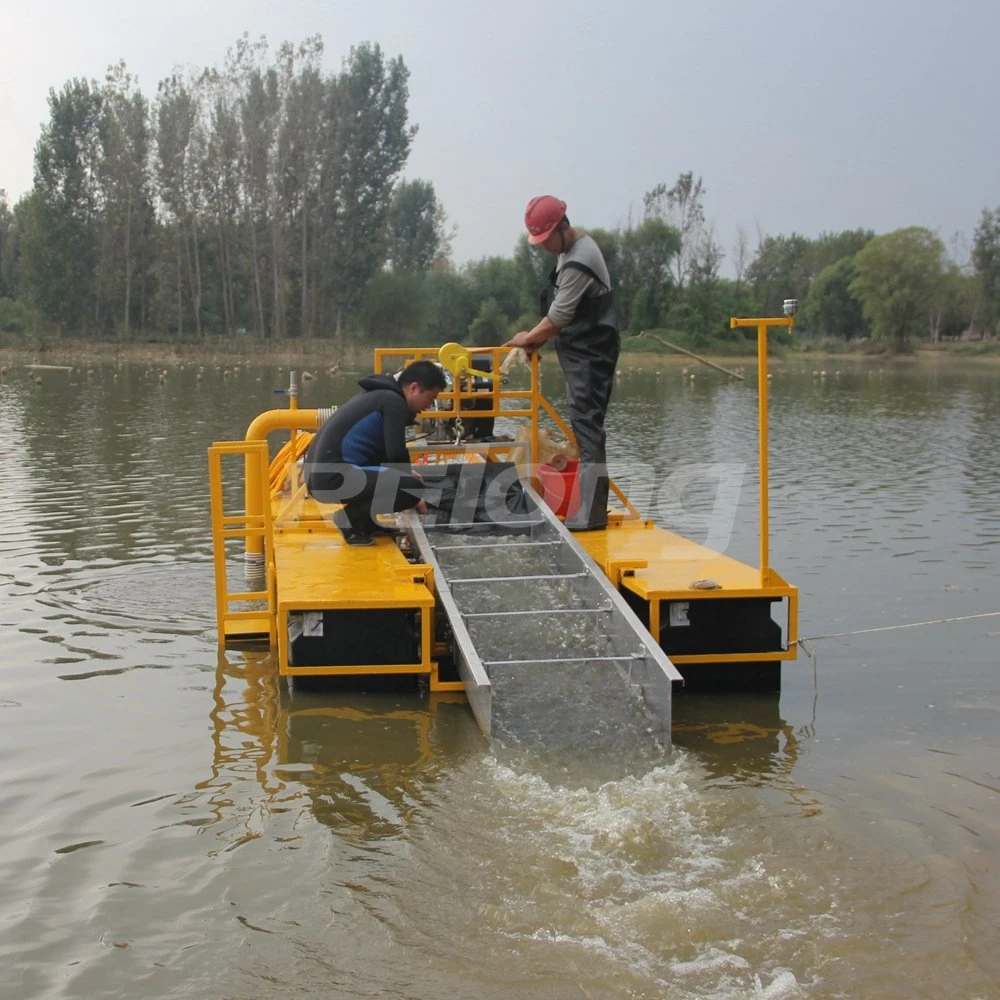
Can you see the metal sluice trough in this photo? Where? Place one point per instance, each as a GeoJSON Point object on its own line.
{"type": "Point", "coordinates": [547, 649]}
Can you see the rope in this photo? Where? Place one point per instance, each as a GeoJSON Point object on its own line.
{"type": "Point", "coordinates": [890, 628]}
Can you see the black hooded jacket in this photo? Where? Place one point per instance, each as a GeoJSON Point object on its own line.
{"type": "Point", "coordinates": [369, 430]}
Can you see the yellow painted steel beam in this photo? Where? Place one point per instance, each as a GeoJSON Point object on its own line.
{"type": "Point", "coordinates": [659, 566]}
{"type": "Point", "coordinates": [317, 571]}
{"type": "Point", "coordinates": [762, 422]}
{"type": "Point", "coordinates": [763, 656]}
{"type": "Point", "coordinates": [352, 670]}
{"type": "Point", "coordinates": [256, 483]}
{"type": "Point", "coordinates": [439, 685]}
{"type": "Point", "coordinates": [632, 584]}
{"type": "Point", "coordinates": [674, 563]}
{"type": "Point", "coordinates": [246, 526]}
{"type": "Point", "coordinates": [251, 625]}
{"type": "Point", "coordinates": [765, 321]}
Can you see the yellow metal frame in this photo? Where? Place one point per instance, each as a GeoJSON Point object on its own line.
{"type": "Point", "coordinates": [457, 359]}
{"type": "Point", "coordinates": [320, 572]}
{"type": "Point", "coordinates": [393, 358]}
{"type": "Point", "coordinates": [257, 487]}
{"type": "Point", "coordinates": [761, 326]}
{"type": "Point", "coordinates": [283, 523]}
{"type": "Point", "coordinates": [780, 591]}
{"type": "Point", "coordinates": [252, 527]}
{"type": "Point", "coordinates": [658, 566]}
{"type": "Point", "coordinates": [414, 586]}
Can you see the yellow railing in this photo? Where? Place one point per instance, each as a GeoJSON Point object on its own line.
{"type": "Point", "coordinates": [255, 528]}
{"type": "Point", "coordinates": [528, 403]}
{"type": "Point", "coordinates": [762, 325]}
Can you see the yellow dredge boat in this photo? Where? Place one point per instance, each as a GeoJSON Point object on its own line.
{"type": "Point", "coordinates": [492, 606]}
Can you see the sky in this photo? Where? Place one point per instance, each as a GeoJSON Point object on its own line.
{"type": "Point", "coordinates": [805, 116]}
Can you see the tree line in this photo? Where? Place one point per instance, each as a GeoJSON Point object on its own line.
{"type": "Point", "coordinates": [267, 198]}
{"type": "Point", "coordinates": [260, 197]}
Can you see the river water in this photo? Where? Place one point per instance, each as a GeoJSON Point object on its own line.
{"type": "Point", "coordinates": [174, 824]}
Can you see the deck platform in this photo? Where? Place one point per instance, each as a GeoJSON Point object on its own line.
{"type": "Point", "coordinates": [337, 603]}
{"type": "Point", "coordinates": [669, 577]}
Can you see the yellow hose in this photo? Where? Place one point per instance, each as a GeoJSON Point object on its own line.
{"type": "Point", "coordinates": [278, 470]}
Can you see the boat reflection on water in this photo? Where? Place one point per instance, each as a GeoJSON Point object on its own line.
{"type": "Point", "coordinates": [741, 736]}
{"type": "Point", "coordinates": [359, 760]}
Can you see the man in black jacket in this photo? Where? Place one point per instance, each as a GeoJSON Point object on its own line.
{"type": "Point", "coordinates": [359, 456]}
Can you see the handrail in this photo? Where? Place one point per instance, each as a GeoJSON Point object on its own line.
{"type": "Point", "coordinates": [256, 486]}
{"type": "Point", "coordinates": [255, 528]}
{"type": "Point", "coordinates": [762, 325]}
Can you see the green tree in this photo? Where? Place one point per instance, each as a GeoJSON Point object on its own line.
{"type": "Point", "coordinates": [830, 310]}
{"type": "Point", "coordinates": [986, 262]}
{"type": "Point", "coordinates": [897, 278]}
{"type": "Point", "coordinates": [127, 211]}
{"type": "Point", "coordinates": [957, 300]}
{"type": "Point", "coordinates": [702, 289]}
{"type": "Point", "coordinates": [13, 316]}
{"type": "Point", "coordinates": [490, 327]}
{"type": "Point", "coordinates": [646, 257]}
{"type": "Point", "coordinates": [220, 179]}
{"type": "Point", "coordinates": [682, 207]}
{"type": "Point", "coordinates": [828, 248]}
{"type": "Point", "coordinates": [60, 245]}
{"type": "Point", "coordinates": [609, 243]}
{"type": "Point", "coordinates": [781, 269]}
{"type": "Point", "coordinates": [533, 267]}
{"type": "Point", "coordinates": [393, 308]}
{"type": "Point", "coordinates": [258, 111]}
{"type": "Point", "coordinates": [371, 146]}
{"type": "Point", "coordinates": [414, 221]}
{"type": "Point", "coordinates": [11, 265]}
{"type": "Point", "coordinates": [450, 307]}
{"type": "Point", "coordinates": [499, 278]}
{"type": "Point", "coordinates": [6, 248]}
{"type": "Point", "coordinates": [179, 143]}
{"type": "Point", "coordinates": [304, 132]}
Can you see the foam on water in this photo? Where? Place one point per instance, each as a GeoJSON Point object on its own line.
{"type": "Point", "coordinates": [633, 882]}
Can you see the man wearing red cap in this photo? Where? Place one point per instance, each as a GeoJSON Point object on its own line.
{"type": "Point", "coordinates": [578, 310]}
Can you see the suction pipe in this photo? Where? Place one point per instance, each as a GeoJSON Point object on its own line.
{"type": "Point", "coordinates": [254, 489]}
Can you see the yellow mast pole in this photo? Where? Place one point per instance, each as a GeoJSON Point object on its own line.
{"type": "Point", "coordinates": [791, 307]}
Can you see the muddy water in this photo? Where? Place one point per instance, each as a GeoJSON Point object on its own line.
{"type": "Point", "coordinates": [175, 824]}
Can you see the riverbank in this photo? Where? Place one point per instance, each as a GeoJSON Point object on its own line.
{"type": "Point", "coordinates": [355, 355]}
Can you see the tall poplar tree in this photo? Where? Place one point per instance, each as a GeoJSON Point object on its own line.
{"type": "Point", "coordinates": [126, 206]}
{"type": "Point", "coordinates": [986, 261]}
{"type": "Point", "coordinates": [371, 143]}
{"type": "Point", "coordinates": [60, 248]}
{"type": "Point", "coordinates": [414, 223]}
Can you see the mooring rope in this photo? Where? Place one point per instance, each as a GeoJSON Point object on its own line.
{"type": "Point", "coordinates": [890, 628]}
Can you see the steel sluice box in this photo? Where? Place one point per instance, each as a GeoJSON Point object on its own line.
{"type": "Point", "coordinates": [547, 648]}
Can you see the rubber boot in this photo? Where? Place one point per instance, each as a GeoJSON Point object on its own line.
{"type": "Point", "coordinates": [354, 534]}
{"type": "Point", "coordinates": [592, 514]}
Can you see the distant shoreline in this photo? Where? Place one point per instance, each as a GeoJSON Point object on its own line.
{"type": "Point", "coordinates": [352, 355]}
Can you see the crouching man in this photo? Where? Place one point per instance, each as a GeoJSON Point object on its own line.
{"type": "Point", "coordinates": [359, 456]}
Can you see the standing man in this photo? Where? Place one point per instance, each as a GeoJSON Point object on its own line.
{"type": "Point", "coordinates": [581, 315]}
{"type": "Point", "coordinates": [359, 456]}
